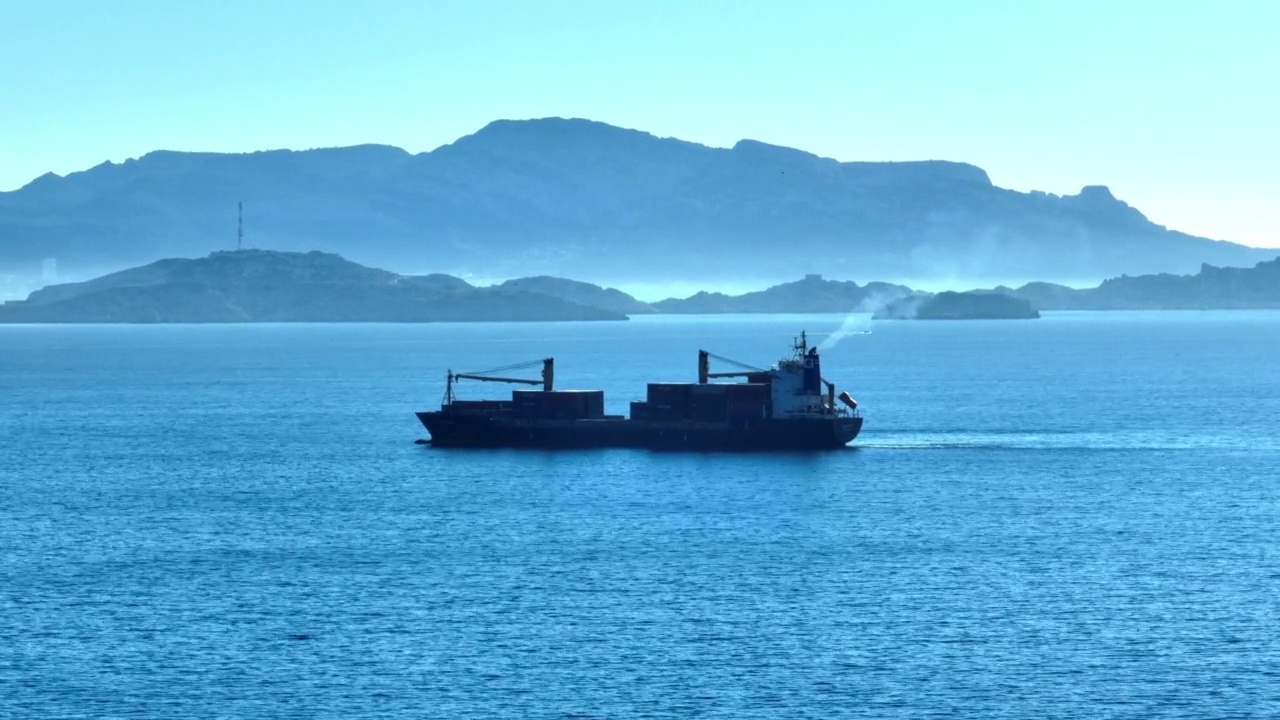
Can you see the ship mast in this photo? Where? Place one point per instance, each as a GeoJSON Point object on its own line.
{"type": "Point", "coordinates": [802, 344]}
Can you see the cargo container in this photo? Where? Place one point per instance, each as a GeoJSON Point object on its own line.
{"type": "Point", "coordinates": [561, 404]}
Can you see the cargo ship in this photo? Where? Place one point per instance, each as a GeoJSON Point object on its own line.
{"type": "Point", "coordinates": [788, 406]}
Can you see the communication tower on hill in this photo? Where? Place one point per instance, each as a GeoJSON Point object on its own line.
{"type": "Point", "coordinates": [239, 226]}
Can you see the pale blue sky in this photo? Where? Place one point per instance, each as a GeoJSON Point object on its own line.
{"type": "Point", "coordinates": [1173, 105]}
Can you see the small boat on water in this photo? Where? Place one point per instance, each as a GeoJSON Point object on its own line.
{"type": "Point", "coordinates": [788, 406]}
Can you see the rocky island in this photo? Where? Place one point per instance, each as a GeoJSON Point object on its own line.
{"type": "Point", "coordinates": [958, 306]}
{"type": "Point", "coordinates": [270, 286]}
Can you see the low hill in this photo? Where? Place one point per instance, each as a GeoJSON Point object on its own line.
{"type": "Point", "coordinates": [581, 293]}
{"type": "Point", "coordinates": [812, 294]}
{"type": "Point", "coordinates": [267, 286]}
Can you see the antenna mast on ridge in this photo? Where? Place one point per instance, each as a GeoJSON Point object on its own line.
{"type": "Point", "coordinates": [239, 225]}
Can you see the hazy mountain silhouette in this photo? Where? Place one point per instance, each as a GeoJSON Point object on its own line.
{"type": "Point", "coordinates": [588, 200]}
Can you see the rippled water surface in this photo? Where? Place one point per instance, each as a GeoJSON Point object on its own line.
{"type": "Point", "coordinates": [1071, 517]}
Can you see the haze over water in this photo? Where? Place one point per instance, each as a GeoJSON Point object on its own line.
{"type": "Point", "coordinates": [1070, 517]}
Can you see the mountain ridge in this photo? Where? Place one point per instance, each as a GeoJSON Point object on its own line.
{"type": "Point", "coordinates": [579, 198]}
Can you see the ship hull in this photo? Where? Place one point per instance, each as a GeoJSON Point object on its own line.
{"type": "Point", "coordinates": [464, 430]}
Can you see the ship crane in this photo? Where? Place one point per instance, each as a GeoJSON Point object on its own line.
{"type": "Point", "coordinates": [704, 368]}
{"type": "Point", "coordinates": [547, 381]}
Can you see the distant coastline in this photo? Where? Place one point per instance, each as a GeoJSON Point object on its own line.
{"type": "Point", "coordinates": [276, 286]}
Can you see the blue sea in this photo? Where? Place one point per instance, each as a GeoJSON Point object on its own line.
{"type": "Point", "coordinates": [1076, 517]}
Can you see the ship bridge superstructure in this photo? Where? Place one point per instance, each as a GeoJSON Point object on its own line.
{"type": "Point", "coordinates": [797, 388]}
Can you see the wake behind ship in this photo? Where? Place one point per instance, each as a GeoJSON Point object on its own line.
{"type": "Point", "coordinates": [789, 406]}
